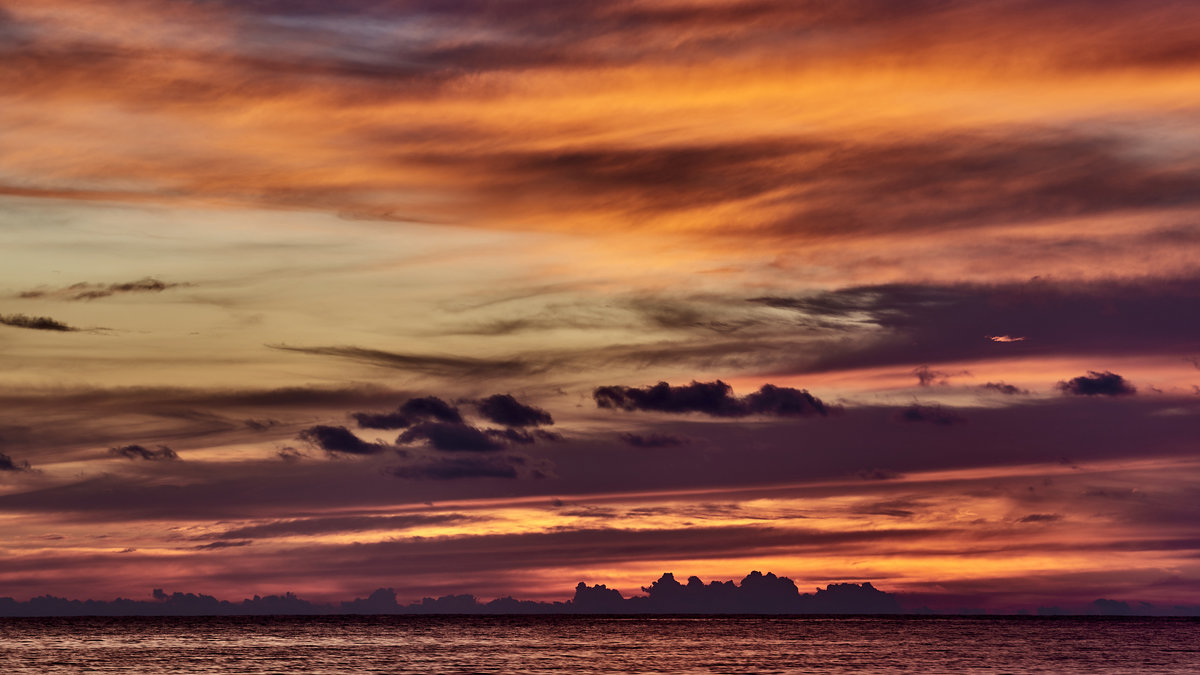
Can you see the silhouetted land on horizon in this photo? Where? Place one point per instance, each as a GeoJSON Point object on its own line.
{"type": "Point", "coordinates": [757, 593]}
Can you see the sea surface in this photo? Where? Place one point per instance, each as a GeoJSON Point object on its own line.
{"type": "Point", "coordinates": [583, 644]}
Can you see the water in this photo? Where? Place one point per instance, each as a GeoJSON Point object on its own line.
{"type": "Point", "coordinates": [580, 644]}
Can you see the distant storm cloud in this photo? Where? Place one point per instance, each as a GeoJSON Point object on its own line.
{"type": "Point", "coordinates": [34, 322]}
{"type": "Point", "coordinates": [508, 411]}
{"type": "Point", "coordinates": [339, 440]}
{"type": "Point", "coordinates": [1097, 384]}
{"type": "Point", "coordinates": [714, 399]}
{"type": "Point", "coordinates": [161, 453]}
{"type": "Point", "coordinates": [94, 291]}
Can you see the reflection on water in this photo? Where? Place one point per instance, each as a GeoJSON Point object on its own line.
{"type": "Point", "coordinates": [575, 644]}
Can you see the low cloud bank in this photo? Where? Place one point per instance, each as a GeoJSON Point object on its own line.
{"type": "Point", "coordinates": [757, 593]}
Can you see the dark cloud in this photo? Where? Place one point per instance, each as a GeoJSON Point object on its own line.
{"type": "Point", "coordinates": [451, 437]}
{"type": "Point", "coordinates": [222, 544]}
{"type": "Point", "coordinates": [442, 366]}
{"type": "Point", "coordinates": [653, 440]}
{"type": "Point", "coordinates": [1097, 384]}
{"type": "Point", "coordinates": [934, 414]}
{"type": "Point", "coordinates": [756, 594]}
{"type": "Point", "coordinates": [159, 454]}
{"type": "Point", "coordinates": [506, 410]}
{"type": "Point", "coordinates": [92, 291]}
{"type": "Point", "coordinates": [431, 408]}
{"type": "Point", "coordinates": [390, 420]}
{"type": "Point", "coordinates": [512, 436]}
{"type": "Point", "coordinates": [289, 454]}
{"type": "Point", "coordinates": [1002, 388]}
{"type": "Point", "coordinates": [1041, 518]}
{"type": "Point", "coordinates": [710, 398]}
{"type": "Point", "coordinates": [34, 322]}
{"type": "Point", "coordinates": [316, 526]}
{"type": "Point", "coordinates": [927, 376]}
{"type": "Point", "coordinates": [411, 411]}
{"type": "Point", "coordinates": [7, 464]}
{"type": "Point", "coordinates": [333, 439]}
{"type": "Point", "coordinates": [944, 323]}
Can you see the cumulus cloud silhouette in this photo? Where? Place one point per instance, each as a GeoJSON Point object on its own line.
{"type": "Point", "coordinates": [451, 437]}
{"type": "Point", "coordinates": [1003, 388]}
{"type": "Point", "coordinates": [1097, 384]}
{"type": "Point", "coordinates": [506, 410]}
{"type": "Point", "coordinates": [338, 440]}
{"type": "Point", "coordinates": [715, 399]}
{"type": "Point", "coordinates": [413, 410]}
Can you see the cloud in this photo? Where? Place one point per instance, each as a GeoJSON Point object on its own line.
{"type": "Point", "coordinates": [710, 398]}
{"type": "Point", "coordinates": [333, 439]}
{"type": "Point", "coordinates": [392, 420]}
{"type": "Point", "coordinates": [441, 366]}
{"type": "Point", "coordinates": [1003, 388]}
{"type": "Point", "coordinates": [909, 323]}
{"type": "Point", "coordinates": [159, 454]}
{"type": "Point", "coordinates": [1041, 518]}
{"type": "Point", "coordinates": [927, 376]}
{"type": "Point", "coordinates": [431, 408]}
{"type": "Point", "coordinates": [92, 291]}
{"type": "Point", "coordinates": [934, 414]}
{"type": "Point", "coordinates": [290, 454]}
{"type": "Point", "coordinates": [506, 410]}
{"type": "Point", "coordinates": [511, 436]}
{"type": "Point", "coordinates": [222, 544]}
{"type": "Point", "coordinates": [653, 440]}
{"type": "Point", "coordinates": [8, 464]}
{"type": "Point", "coordinates": [318, 526]}
{"type": "Point", "coordinates": [412, 410]}
{"type": "Point", "coordinates": [1097, 384]}
{"type": "Point", "coordinates": [450, 437]}
{"type": "Point", "coordinates": [34, 322]}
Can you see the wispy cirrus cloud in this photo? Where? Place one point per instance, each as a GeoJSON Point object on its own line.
{"type": "Point", "coordinates": [96, 291]}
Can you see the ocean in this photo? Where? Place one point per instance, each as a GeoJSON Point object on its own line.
{"type": "Point", "coordinates": [593, 644]}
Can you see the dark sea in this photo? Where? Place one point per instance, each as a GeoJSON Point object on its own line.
{"type": "Point", "coordinates": [583, 644]}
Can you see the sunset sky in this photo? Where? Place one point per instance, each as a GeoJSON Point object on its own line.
{"type": "Point", "coordinates": [323, 297]}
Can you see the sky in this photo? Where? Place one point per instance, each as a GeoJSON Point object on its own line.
{"type": "Point", "coordinates": [496, 297]}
